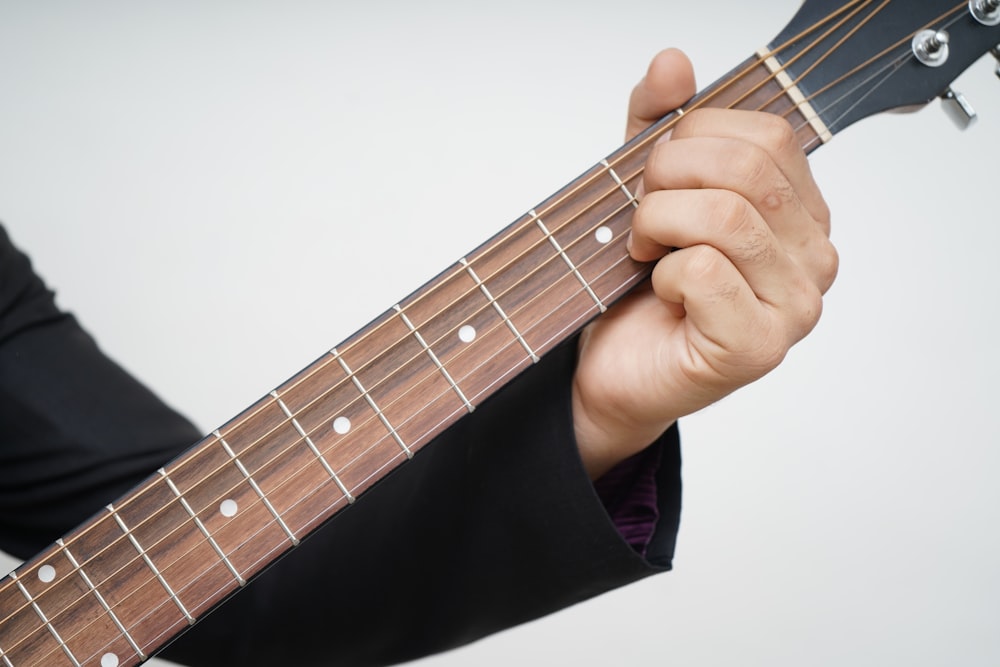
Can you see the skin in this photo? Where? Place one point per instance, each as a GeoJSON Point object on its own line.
{"type": "Point", "coordinates": [733, 193]}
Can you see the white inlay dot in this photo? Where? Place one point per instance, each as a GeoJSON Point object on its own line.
{"type": "Point", "coordinates": [604, 234]}
{"type": "Point", "coordinates": [47, 573]}
{"type": "Point", "coordinates": [341, 425]}
{"type": "Point", "coordinates": [229, 508]}
{"type": "Point", "coordinates": [467, 334]}
{"type": "Point", "coordinates": [109, 660]}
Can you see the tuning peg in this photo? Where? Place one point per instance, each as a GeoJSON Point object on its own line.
{"type": "Point", "coordinates": [996, 54]}
{"type": "Point", "coordinates": [958, 109]}
{"type": "Point", "coordinates": [931, 47]}
{"type": "Point", "coordinates": [986, 12]}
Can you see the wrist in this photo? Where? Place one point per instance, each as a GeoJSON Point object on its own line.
{"type": "Point", "coordinates": [607, 438]}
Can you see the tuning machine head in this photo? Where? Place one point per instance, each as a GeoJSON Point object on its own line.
{"type": "Point", "coordinates": [931, 47]}
{"type": "Point", "coordinates": [996, 54]}
{"type": "Point", "coordinates": [958, 109]}
{"type": "Point", "coordinates": [986, 12]}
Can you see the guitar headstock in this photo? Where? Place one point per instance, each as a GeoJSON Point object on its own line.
{"type": "Point", "coordinates": [856, 58]}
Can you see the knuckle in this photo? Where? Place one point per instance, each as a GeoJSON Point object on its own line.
{"type": "Point", "coordinates": [750, 161]}
{"type": "Point", "coordinates": [760, 179]}
{"type": "Point", "coordinates": [821, 261]}
{"type": "Point", "coordinates": [766, 350]}
{"type": "Point", "coordinates": [777, 135]}
{"type": "Point", "coordinates": [771, 353]}
{"type": "Point", "coordinates": [738, 222]}
{"type": "Point", "coordinates": [807, 307]}
{"type": "Point", "coordinates": [823, 215]}
{"type": "Point", "coordinates": [731, 212]}
{"type": "Point", "coordinates": [828, 265]}
{"type": "Point", "coordinates": [704, 265]}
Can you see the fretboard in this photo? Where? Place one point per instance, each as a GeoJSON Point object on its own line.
{"type": "Point", "coordinates": [146, 567]}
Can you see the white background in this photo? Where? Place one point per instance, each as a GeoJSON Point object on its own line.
{"type": "Point", "coordinates": [221, 191]}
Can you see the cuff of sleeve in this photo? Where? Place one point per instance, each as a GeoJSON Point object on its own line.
{"type": "Point", "coordinates": [493, 524]}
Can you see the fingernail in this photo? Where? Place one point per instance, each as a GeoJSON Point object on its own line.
{"type": "Point", "coordinates": [628, 243]}
{"type": "Point", "coordinates": [666, 136]}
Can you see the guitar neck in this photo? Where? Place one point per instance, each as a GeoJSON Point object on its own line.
{"type": "Point", "coordinates": [151, 564]}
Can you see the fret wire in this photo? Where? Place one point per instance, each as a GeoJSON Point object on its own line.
{"type": "Point", "coordinates": [145, 557]}
{"type": "Point", "coordinates": [569, 262]}
{"type": "Point", "coordinates": [499, 309]}
{"type": "Point", "coordinates": [201, 526]}
{"type": "Point", "coordinates": [45, 621]}
{"type": "Point", "coordinates": [132, 538]}
{"type": "Point", "coordinates": [312, 446]}
{"type": "Point", "coordinates": [253, 484]}
{"type": "Point", "coordinates": [628, 193]}
{"type": "Point", "coordinates": [434, 358]}
{"type": "Point", "coordinates": [371, 402]}
{"type": "Point", "coordinates": [100, 598]}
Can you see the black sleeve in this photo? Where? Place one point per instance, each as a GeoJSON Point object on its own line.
{"type": "Point", "coordinates": [493, 524]}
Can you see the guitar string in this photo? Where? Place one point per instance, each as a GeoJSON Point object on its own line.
{"type": "Point", "coordinates": [627, 179]}
{"type": "Point", "coordinates": [633, 177]}
{"type": "Point", "coordinates": [882, 75]}
{"type": "Point", "coordinates": [806, 51]}
{"type": "Point", "coordinates": [527, 223]}
{"type": "Point", "coordinates": [769, 102]}
{"type": "Point", "coordinates": [958, 14]}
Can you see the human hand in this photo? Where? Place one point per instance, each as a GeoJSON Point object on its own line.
{"type": "Point", "coordinates": [732, 191]}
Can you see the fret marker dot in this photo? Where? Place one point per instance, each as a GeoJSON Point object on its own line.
{"type": "Point", "coordinates": [341, 425]}
{"type": "Point", "coordinates": [109, 660]}
{"type": "Point", "coordinates": [47, 573]}
{"type": "Point", "coordinates": [229, 507]}
{"type": "Point", "coordinates": [467, 334]}
{"type": "Point", "coordinates": [604, 234]}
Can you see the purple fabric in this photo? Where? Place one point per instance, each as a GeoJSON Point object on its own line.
{"type": "Point", "coordinates": [628, 492]}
